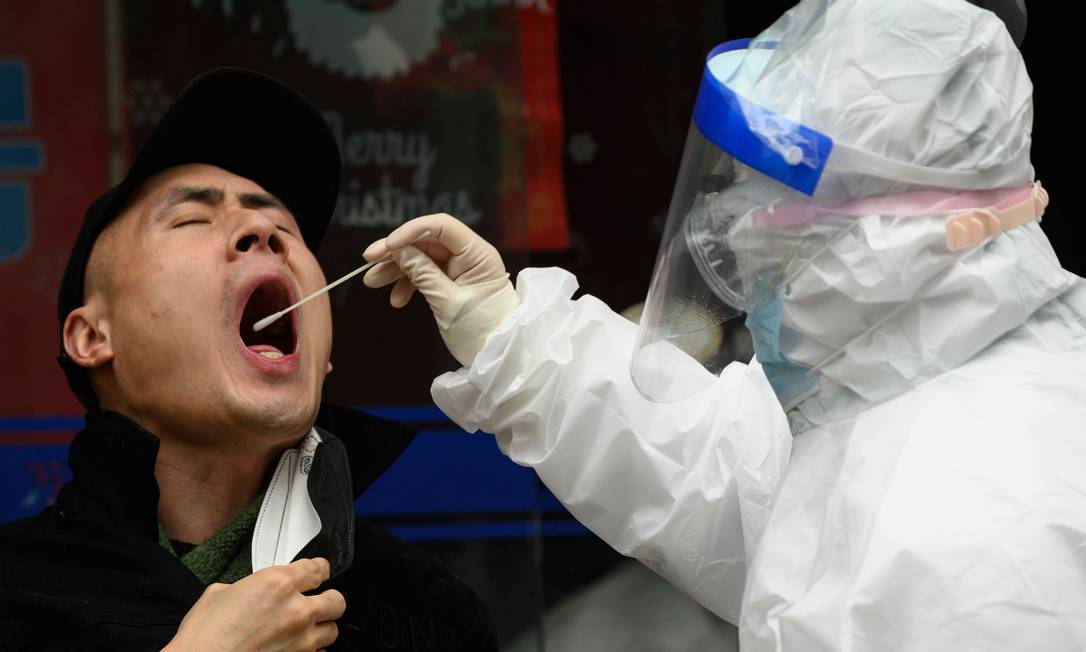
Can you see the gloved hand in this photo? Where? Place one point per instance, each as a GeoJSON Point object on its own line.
{"type": "Point", "coordinates": [461, 275]}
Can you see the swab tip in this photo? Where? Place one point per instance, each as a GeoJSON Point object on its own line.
{"type": "Point", "coordinates": [263, 323]}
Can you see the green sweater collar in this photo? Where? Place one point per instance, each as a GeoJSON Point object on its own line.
{"type": "Point", "coordinates": [227, 555]}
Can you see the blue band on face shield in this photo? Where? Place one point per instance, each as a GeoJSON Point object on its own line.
{"type": "Point", "coordinates": [778, 147]}
{"type": "Point", "coordinates": [792, 382]}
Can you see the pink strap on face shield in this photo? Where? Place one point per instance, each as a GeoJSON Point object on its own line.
{"type": "Point", "coordinates": [973, 216]}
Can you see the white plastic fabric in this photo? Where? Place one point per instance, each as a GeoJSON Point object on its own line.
{"type": "Point", "coordinates": [684, 487]}
{"type": "Point", "coordinates": [932, 494]}
{"type": "Point", "coordinates": [950, 516]}
{"type": "Point", "coordinates": [915, 95]}
{"type": "Point", "coordinates": [287, 520]}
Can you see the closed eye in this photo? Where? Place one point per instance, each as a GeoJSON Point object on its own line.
{"type": "Point", "coordinates": [190, 222]}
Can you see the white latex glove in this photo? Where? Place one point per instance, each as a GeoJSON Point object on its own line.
{"type": "Point", "coordinates": [461, 275]}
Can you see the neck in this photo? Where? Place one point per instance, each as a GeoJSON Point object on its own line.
{"type": "Point", "coordinates": [202, 488]}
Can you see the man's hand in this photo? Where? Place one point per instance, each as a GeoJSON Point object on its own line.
{"type": "Point", "coordinates": [461, 275]}
{"type": "Point", "coordinates": [265, 611]}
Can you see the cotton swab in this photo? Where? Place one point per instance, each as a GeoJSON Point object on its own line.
{"type": "Point", "coordinates": [263, 323]}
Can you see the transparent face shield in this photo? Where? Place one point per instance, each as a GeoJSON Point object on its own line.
{"type": "Point", "coordinates": [760, 201]}
{"type": "Point", "coordinates": [683, 338]}
{"type": "Point", "coordinates": [720, 262]}
{"type": "Point", "coordinates": [704, 276]}
{"type": "Point", "coordinates": [742, 248]}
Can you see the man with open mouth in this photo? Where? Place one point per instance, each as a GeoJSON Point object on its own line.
{"type": "Point", "coordinates": [212, 500]}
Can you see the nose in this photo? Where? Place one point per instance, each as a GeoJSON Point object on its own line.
{"type": "Point", "coordinates": [256, 233]}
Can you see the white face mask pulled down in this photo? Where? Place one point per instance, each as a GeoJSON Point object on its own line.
{"type": "Point", "coordinates": [287, 520]}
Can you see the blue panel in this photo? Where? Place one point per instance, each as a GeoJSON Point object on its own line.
{"type": "Point", "coordinates": [444, 472]}
{"type": "Point", "coordinates": [14, 95]}
{"type": "Point", "coordinates": [14, 220]}
{"type": "Point", "coordinates": [408, 413]}
{"type": "Point", "coordinates": [21, 157]}
{"type": "Point", "coordinates": [39, 424]}
{"type": "Point", "coordinates": [448, 471]}
{"type": "Point", "coordinates": [30, 477]}
{"type": "Point", "coordinates": [547, 501]}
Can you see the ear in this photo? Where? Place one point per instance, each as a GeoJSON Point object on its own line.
{"type": "Point", "coordinates": [86, 338]}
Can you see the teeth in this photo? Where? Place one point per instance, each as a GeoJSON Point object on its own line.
{"type": "Point", "coordinates": [271, 355]}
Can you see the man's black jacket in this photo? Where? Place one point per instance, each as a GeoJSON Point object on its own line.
{"type": "Point", "coordinates": [88, 573]}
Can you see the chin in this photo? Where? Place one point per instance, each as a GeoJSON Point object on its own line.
{"type": "Point", "coordinates": [286, 416]}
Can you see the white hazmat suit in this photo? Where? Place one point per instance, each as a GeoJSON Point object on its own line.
{"type": "Point", "coordinates": [931, 493]}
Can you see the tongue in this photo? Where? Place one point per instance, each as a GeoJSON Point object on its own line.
{"type": "Point", "coordinates": [266, 351]}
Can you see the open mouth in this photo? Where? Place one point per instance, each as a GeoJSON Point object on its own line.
{"type": "Point", "coordinates": [278, 339]}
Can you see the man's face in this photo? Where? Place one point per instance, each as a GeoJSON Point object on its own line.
{"type": "Point", "coordinates": [199, 256]}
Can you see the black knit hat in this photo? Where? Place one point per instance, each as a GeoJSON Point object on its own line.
{"type": "Point", "coordinates": [238, 120]}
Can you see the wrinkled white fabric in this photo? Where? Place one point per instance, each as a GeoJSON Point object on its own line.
{"type": "Point", "coordinates": [951, 516]}
{"type": "Point", "coordinates": [926, 83]}
{"type": "Point", "coordinates": [944, 308]}
{"type": "Point", "coordinates": [934, 496]}
{"type": "Point", "coordinates": [685, 488]}
{"type": "Point", "coordinates": [907, 97]}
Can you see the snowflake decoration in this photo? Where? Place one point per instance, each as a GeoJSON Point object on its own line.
{"type": "Point", "coordinates": [582, 148]}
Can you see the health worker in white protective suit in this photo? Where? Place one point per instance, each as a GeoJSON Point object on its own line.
{"type": "Point", "coordinates": [857, 183]}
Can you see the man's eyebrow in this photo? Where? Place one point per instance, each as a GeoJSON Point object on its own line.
{"type": "Point", "coordinates": [198, 194]}
{"type": "Point", "coordinates": [260, 200]}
